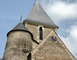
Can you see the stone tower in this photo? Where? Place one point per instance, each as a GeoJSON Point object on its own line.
{"type": "Point", "coordinates": [19, 43]}
{"type": "Point", "coordinates": [39, 23]}
{"type": "Point", "coordinates": [36, 39]}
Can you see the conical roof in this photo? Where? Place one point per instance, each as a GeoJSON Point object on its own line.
{"type": "Point", "coordinates": [38, 15]}
{"type": "Point", "coordinates": [19, 27]}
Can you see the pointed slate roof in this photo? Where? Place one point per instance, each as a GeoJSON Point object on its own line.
{"type": "Point", "coordinates": [38, 15]}
{"type": "Point", "coordinates": [19, 27]}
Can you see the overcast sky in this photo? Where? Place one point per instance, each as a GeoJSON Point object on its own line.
{"type": "Point", "coordinates": [62, 12]}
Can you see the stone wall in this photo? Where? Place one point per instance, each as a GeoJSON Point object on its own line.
{"type": "Point", "coordinates": [52, 50]}
{"type": "Point", "coordinates": [34, 29]}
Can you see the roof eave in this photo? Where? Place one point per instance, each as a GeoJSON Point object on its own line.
{"type": "Point", "coordinates": [37, 23]}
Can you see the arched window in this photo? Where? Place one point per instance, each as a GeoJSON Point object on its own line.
{"type": "Point", "coordinates": [40, 33]}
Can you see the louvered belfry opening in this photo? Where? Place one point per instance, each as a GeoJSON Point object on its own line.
{"type": "Point", "coordinates": [40, 33]}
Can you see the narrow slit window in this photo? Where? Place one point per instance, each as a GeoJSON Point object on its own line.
{"type": "Point", "coordinates": [24, 45]}
{"type": "Point", "coordinates": [40, 33]}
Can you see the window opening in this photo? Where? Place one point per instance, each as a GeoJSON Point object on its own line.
{"type": "Point", "coordinates": [24, 45]}
{"type": "Point", "coordinates": [29, 57]}
{"type": "Point", "coordinates": [40, 33]}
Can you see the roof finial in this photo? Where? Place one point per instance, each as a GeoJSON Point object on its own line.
{"type": "Point", "coordinates": [36, 0]}
{"type": "Point", "coordinates": [21, 19]}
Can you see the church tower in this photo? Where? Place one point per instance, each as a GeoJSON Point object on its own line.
{"type": "Point", "coordinates": [19, 43]}
{"type": "Point", "coordinates": [39, 23]}
{"type": "Point", "coordinates": [36, 39]}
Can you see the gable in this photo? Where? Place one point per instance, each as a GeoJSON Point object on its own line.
{"type": "Point", "coordinates": [52, 50]}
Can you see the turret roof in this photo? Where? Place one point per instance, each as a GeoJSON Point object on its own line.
{"type": "Point", "coordinates": [19, 27]}
{"type": "Point", "coordinates": [38, 15]}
